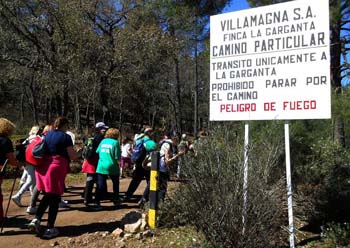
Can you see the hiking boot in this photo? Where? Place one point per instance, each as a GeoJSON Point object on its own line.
{"type": "Point", "coordinates": [17, 200]}
{"type": "Point", "coordinates": [96, 207]}
{"type": "Point", "coordinates": [126, 198]}
{"type": "Point", "coordinates": [63, 204]}
{"type": "Point", "coordinates": [118, 201]}
{"type": "Point", "coordinates": [31, 210]}
{"type": "Point", "coordinates": [34, 225]}
{"type": "Point", "coordinates": [50, 233]}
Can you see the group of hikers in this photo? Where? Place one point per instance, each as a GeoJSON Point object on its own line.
{"type": "Point", "coordinates": [103, 157]}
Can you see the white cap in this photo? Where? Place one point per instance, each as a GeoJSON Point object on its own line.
{"type": "Point", "coordinates": [101, 125]}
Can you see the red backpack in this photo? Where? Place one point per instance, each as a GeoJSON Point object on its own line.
{"type": "Point", "coordinates": [29, 152]}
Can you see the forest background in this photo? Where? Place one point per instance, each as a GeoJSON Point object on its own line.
{"type": "Point", "coordinates": [127, 63]}
{"type": "Point", "coordinates": [134, 62]}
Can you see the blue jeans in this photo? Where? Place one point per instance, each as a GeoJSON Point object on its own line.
{"type": "Point", "coordinates": [101, 186]}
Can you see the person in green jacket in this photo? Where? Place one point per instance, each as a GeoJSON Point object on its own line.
{"type": "Point", "coordinates": [108, 165]}
{"type": "Point", "coordinates": [141, 173]}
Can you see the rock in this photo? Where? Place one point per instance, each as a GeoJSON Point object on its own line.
{"type": "Point", "coordinates": [105, 234]}
{"type": "Point", "coordinates": [133, 228]}
{"type": "Point", "coordinates": [118, 233]}
{"type": "Point", "coordinates": [127, 236]}
{"type": "Point", "coordinates": [144, 223]}
{"type": "Point", "coordinates": [138, 236]}
{"type": "Point", "coordinates": [147, 233]}
{"type": "Point", "coordinates": [120, 244]}
{"type": "Point", "coordinates": [54, 244]}
{"type": "Point", "coordinates": [131, 217]}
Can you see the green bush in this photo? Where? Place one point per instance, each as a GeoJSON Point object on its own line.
{"type": "Point", "coordinates": [328, 172]}
{"type": "Point", "coordinates": [337, 234]}
{"type": "Point", "coordinates": [212, 198]}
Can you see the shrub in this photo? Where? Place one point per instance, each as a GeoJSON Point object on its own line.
{"type": "Point", "coordinates": [337, 234]}
{"type": "Point", "coordinates": [328, 172]}
{"type": "Point", "coordinates": [212, 198]}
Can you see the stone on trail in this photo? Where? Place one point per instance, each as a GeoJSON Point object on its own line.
{"type": "Point", "coordinates": [133, 228]}
{"type": "Point", "coordinates": [118, 233]}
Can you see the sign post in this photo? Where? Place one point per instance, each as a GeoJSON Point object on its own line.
{"type": "Point", "coordinates": [245, 176]}
{"type": "Point", "coordinates": [289, 186]}
{"type": "Point", "coordinates": [271, 64]}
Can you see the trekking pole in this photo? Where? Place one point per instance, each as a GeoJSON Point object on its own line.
{"type": "Point", "coordinates": [9, 201]}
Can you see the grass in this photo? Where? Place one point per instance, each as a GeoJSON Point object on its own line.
{"type": "Point", "coordinates": [179, 237]}
{"type": "Point", "coordinates": [73, 178]}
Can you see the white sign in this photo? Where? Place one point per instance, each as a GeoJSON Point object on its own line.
{"type": "Point", "coordinates": [271, 62]}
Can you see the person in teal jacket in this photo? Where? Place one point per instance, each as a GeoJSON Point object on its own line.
{"type": "Point", "coordinates": [108, 165]}
{"type": "Point", "coordinates": [140, 173]}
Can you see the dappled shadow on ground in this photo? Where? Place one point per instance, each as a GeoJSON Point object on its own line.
{"type": "Point", "coordinates": [72, 231]}
{"type": "Point", "coordinates": [17, 221]}
{"type": "Point", "coordinates": [308, 240]}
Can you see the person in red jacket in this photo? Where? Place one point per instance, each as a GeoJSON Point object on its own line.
{"type": "Point", "coordinates": [6, 153]}
{"type": "Point", "coordinates": [90, 163]}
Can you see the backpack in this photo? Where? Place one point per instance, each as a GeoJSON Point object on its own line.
{"type": "Point", "coordinates": [88, 149]}
{"type": "Point", "coordinates": [139, 152]}
{"type": "Point", "coordinates": [173, 148]}
{"type": "Point", "coordinates": [34, 144]}
{"type": "Point", "coordinates": [20, 152]}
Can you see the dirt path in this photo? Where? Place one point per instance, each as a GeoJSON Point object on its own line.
{"type": "Point", "coordinates": [71, 222]}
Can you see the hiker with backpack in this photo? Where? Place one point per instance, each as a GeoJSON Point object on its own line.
{"type": "Point", "coordinates": [28, 175]}
{"type": "Point", "coordinates": [90, 160]}
{"type": "Point", "coordinates": [35, 162]}
{"type": "Point", "coordinates": [143, 146]}
{"type": "Point", "coordinates": [168, 157]}
{"type": "Point", "coordinates": [108, 165]}
{"type": "Point", "coordinates": [183, 146]}
{"type": "Point", "coordinates": [7, 155]}
{"type": "Point", "coordinates": [32, 133]}
{"type": "Point", "coordinates": [50, 175]}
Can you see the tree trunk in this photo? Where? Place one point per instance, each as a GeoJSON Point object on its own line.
{"type": "Point", "coordinates": [65, 106]}
{"type": "Point", "coordinates": [195, 117]}
{"type": "Point", "coordinates": [77, 123]}
{"type": "Point", "coordinates": [34, 101]}
{"type": "Point", "coordinates": [178, 127]}
{"type": "Point", "coordinates": [22, 104]}
{"type": "Point", "coordinates": [339, 133]}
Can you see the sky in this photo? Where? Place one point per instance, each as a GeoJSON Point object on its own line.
{"type": "Point", "coordinates": [235, 5]}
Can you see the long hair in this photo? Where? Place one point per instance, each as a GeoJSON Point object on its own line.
{"type": "Point", "coordinates": [6, 127]}
{"type": "Point", "coordinates": [60, 122]}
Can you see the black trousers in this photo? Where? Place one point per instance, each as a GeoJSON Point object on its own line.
{"type": "Point", "coordinates": [139, 174]}
{"type": "Point", "coordinates": [89, 186]}
{"type": "Point", "coordinates": [51, 201]}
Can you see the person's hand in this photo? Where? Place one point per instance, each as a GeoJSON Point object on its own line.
{"type": "Point", "coordinates": [180, 153]}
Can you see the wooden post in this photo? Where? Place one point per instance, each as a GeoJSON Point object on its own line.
{"type": "Point", "coordinates": [153, 195]}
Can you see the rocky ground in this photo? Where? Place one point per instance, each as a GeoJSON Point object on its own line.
{"type": "Point", "coordinates": [78, 225]}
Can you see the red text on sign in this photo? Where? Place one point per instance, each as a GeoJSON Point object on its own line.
{"type": "Point", "coordinates": [299, 105]}
{"type": "Point", "coordinates": [244, 107]}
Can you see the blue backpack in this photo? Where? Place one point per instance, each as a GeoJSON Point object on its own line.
{"type": "Point", "coordinates": [139, 152]}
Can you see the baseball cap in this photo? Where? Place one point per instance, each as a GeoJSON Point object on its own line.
{"type": "Point", "coordinates": [148, 130]}
{"type": "Point", "coordinates": [101, 125]}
